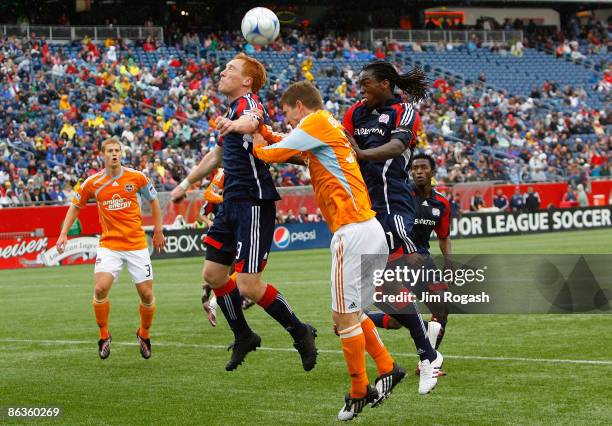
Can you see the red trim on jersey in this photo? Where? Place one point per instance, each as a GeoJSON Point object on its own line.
{"type": "Point", "coordinates": [229, 286]}
{"type": "Point", "coordinates": [347, 121]}
{"type": "Point", "coordinates": [414, 125]}
{"type": "Point", "coordinates": [239, 266]}
{"type": "Point", "coordinates": [242, 105]}
{"type": "Point", "coordinates": [385, 322]}
{"type": "Point", "coordinates": [212, 242]}
{"type": "Point", "coordinates": [268, 296]}
{"type": "Point", "coordinates": [443, 227]}
{"type": "Point", "coordinates": [405, 295]}
{"type": "Point", "coordinates": [399, 111]}
{"type": "Point", "coordinates": [396, 254]}
{"type": "Point", "coordinates": [437, 287]}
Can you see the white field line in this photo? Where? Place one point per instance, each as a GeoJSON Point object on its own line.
{"type": "Point", "coordinates": [327, 351]}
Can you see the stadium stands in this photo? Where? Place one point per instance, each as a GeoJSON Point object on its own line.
{"type": "Point", "coordinates": [491, 115]}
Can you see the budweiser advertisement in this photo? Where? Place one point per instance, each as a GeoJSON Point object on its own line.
{"type": "Point", "coordinates": [35, 252]}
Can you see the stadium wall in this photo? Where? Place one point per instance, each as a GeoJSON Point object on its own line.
{"type": "Point", "coordinates": [541, 16]}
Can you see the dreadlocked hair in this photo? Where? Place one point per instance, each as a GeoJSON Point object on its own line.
{"type": "Point", "coordinates": [414, 83]}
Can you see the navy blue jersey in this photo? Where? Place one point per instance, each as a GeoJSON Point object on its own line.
{"type": "Point", "coordinates": [432, 213]}
{"type": "Point", "coordinates": [246, 177]}
{"type": "Point", "coordinates": [387, 181]}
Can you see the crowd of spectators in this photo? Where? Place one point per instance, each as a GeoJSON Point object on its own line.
{"type": "Point", "coordinates": [55, 109]}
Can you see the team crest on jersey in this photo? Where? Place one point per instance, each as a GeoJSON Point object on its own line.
{"type": "Point", "coordinates": [435, 211]}
{"type": "Point", "coordinates": [129, 187]}
{"type": "Point", "coordinates": [384, 118]}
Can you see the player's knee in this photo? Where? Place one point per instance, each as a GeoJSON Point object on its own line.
{"type": "Point", "coordinates": [345, 320]}
{"type": "Point", "coordinates": [100, 291]}
{"type": "Point", "coordinates": [213, 278]}
{"type": "Point", "coordinates": [146, 296]}
{"type": "Point", "coordinates": [251, 286]}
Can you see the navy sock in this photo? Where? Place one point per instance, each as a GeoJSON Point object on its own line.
{"type": "Point", "coordinates": [414, 323]}
{"type": "Point", "coordinates": [377, 318]}
{"type": "Point", "coordinates": [277, 307]}
{"type": "Point", "coordinates": [230, 302]}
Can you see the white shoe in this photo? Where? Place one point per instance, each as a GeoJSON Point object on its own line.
{"type": "Point", "coordinates": [433, 330]}
{"type": "Point", "coordinates": [429, 374]}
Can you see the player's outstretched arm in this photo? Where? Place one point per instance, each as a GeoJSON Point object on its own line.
{"type": "Point", "coordinates": [71, 215]}
{"type": "Point", "coordinates": [391, 149]}
{"type": "Point", "coordinates": [260, 139]}
{"type": "Point", "coordinates": [159, 241]}
{"type": "Point", "coordinates": [210, 162]}
{"type": "Point", "coordinates": [296, 142]}
{"type": "Point", "coordinates": [247, 123]}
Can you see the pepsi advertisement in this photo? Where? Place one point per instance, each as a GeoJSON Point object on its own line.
{"type": "Point", "coordinates": [300, 236]}
{"type": "Point", "coordinates": [296, 236]}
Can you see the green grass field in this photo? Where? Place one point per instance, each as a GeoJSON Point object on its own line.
{"type": "Point", "coordinates": [502, 369]}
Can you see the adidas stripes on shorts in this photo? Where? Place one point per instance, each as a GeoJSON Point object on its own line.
{"type": "Point", "coordinates": [352, 285]}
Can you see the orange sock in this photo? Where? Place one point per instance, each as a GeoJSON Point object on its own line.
{"type": "Point", "coordinates": [146, 319]}
{"type": "Point", "coordinates": [234, 277]}
{"type": "Point", "coordinates": [102, 312]}
{"type": "Point", "coordinates": [353, 347]}
{"type": "Point", "coordinates": [375, 346]}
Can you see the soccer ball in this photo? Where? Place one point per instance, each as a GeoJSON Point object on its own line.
{"type": "Point", "coordinates": [260, 26]}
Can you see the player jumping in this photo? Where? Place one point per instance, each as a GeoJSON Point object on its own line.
{"type": "Point", "coordinates": [384, 130]}
{"type": "Point", "coordinates": [244, 225]}
{"type": "Point", "coordinates": [432, 214]}
{"type": "Point", "coordinates": [319, 139]}
{"type": "Point", "coordinates": [212, 199]}
{"type": "Point", "coordinates": [116, 189]}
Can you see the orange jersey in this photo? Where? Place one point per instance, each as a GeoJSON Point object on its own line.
{"type": "Point", "coordinates": [339, 187]}
{"type": "Point", "coordinates": [214, 192]}
{"type": "Point", "coordinates": [118, 206]}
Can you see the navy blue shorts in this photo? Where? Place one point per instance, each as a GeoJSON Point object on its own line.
{"type": "Point", "coordinates": [243, 229]}
{"type": "Point", "coordinates": [397, 230]}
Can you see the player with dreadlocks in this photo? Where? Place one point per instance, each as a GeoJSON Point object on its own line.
{"type": "Point", "coordinates": [385, 130]}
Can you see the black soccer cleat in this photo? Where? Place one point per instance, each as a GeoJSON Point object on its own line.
{"type": "Point", "coordinates": [307, 349]}
{"type": "Point", "coordinates": [240, 349]}
{"type": "Point", "coordinates": [104, 347]}
{"type": "Point", "coordinates": [145, 346]}
{"type": "Point", "coordinates": [353, 406]}
{"type": "Point", "coordinates": [385, 383]}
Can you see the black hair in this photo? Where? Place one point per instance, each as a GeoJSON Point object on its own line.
{"type": "Point", "coordinates": [423, 156]}
{"type": "Point", "coordinates": [414, 82]}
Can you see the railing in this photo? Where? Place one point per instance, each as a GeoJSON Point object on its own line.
{"type": "Point", "coordinates": [435, 36]}
{"type": "Point", "coordinates": [97, 34]}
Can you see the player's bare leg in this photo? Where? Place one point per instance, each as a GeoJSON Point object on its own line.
{"type": "Point", "coordinates": [230, 302]}
{"type": "Point", "coordinates": [147, 311]}
{"type": "Point", "coordinates": [103, 282]}
{"type": "Point", "coordinates": [274, 303]}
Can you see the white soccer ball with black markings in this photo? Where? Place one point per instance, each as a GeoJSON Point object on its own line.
{"type": "Point", "coordinates": [260, 26]}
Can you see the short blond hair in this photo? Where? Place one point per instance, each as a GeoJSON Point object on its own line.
{"type": "Point", "coordinates": [110, 141]}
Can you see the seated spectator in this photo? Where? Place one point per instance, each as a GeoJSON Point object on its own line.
{"type": "Point", "coordinates": [501, 201]}
{"type": "Point", "coordinates": [476, 203]}
{"type": "Point", "coordinates": [532, 200]}
{"type": "Point", "coordinates": [569, 199]}
{"type": "Point", "coordinates": [303, 216]}
{"type": "Point", "coordinates": [517, 203]}
{"type": "Point", "coordinates": [583, 198]}
{"type": "Point", "coordinates": [290, 218]}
